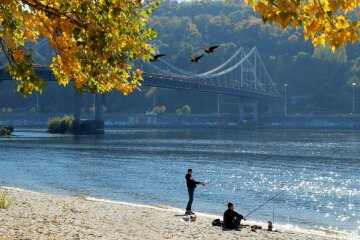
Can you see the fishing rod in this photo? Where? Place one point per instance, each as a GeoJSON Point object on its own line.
{"type": "Point", "coordinates": [264, 203]}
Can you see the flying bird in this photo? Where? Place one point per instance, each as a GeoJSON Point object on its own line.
{"type": "Point", "coordinates": [196, 59]}
{"type": "Point", "coordinates": [155, 58]}
{"type": "Point", "coordinates": [211, 49]}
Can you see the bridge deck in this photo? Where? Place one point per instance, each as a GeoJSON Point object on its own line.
{"type": "Point", "coordinates": [202, 85]}
{"type": "Point", "coordinates": [158, 80]}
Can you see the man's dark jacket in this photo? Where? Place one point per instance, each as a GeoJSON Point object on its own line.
{"type": "Point", "coordinates": [191, 183]}
{"type": "Point", "coordinates": [229, 217]}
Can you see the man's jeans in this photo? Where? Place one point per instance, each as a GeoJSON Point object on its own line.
{"type": "Point", "coordinates": [191, 198]}
{"type": "Point", "coordinates": [237, 222]}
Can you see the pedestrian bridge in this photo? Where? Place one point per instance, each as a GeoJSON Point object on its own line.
{"type": "Point", "coordinates": [242, 75]}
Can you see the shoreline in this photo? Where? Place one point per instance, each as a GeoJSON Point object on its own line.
{"type": "Point", "coordinates": [43, 215]}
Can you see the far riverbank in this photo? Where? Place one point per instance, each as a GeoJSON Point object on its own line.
{"type": "Point", "coordinates": [291, 121]}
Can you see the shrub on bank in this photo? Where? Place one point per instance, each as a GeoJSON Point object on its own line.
{"type": "Point", "coordinates": [61, 124]}
{"type": "Point", "coordinates": [5, 201]}
{"type": "Point", "coordinates": [6, 131]}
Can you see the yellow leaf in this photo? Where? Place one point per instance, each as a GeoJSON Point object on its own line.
{"type": "Point", "coordinates": [18, 55]}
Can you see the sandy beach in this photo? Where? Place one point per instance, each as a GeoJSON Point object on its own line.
{"type": "Point", "coordinates": [44, 216]}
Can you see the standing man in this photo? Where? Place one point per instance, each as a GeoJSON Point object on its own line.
{"type": "Point", "coordinates": [191, 185]}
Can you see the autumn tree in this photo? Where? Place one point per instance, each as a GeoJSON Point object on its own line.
{"type": "Point", "coordinates": [95, 41]}
{"type": "Point", "coordinates": [186, 109]}
{"type": "Point", "coordinates": [159, 109]}
{"type": "Point", "coordinates": [332, 22]}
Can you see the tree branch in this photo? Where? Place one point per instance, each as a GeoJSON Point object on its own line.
{"type": "Point", "coordinates": [39, 6]}
{"type": "Point", "coordinates": [5, 50]}
{"type": "Point", "coordinates": [327, 17]}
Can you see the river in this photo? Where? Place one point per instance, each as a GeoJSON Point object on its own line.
{"type": "Point", "coordinates": [319, 170]}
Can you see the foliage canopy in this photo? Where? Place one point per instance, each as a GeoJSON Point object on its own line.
{"type": "Point", "coordinates": [332, 22]}
{"type": "Point", "coordinates": [95, 41]}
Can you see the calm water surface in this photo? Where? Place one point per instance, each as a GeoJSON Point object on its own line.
{"type": "Point", "coordinates": [318, 169]}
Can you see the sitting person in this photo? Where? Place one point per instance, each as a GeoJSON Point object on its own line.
{"type": "Point", "coordinates": [231, 218]}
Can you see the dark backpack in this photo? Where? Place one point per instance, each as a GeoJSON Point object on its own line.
{"type": "Point", "coordinates": [217, 222]}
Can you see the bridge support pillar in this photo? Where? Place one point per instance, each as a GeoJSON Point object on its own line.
{"type": "Point", "coordinates": [99, 114]}
{"type": "Point", "coordinates": [241, 112]}
{"type": "Point", "coordinates": [77, 106]}
{"type": "Point", "coordinates": [77, 111]}
{"type": "Point", "coordinates": [255, 111]}
{"type": "Point", "coordinates": [253, 105]}
{"type": "Point", "coordinates": [88, 126]}
{"type": "Point", "coordinates": [98, 108]}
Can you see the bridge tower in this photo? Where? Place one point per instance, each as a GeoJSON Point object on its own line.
{"type": "Point", "coordinates": [253, 104]}
{"type": "Point", "coordinates": [83, 126]}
